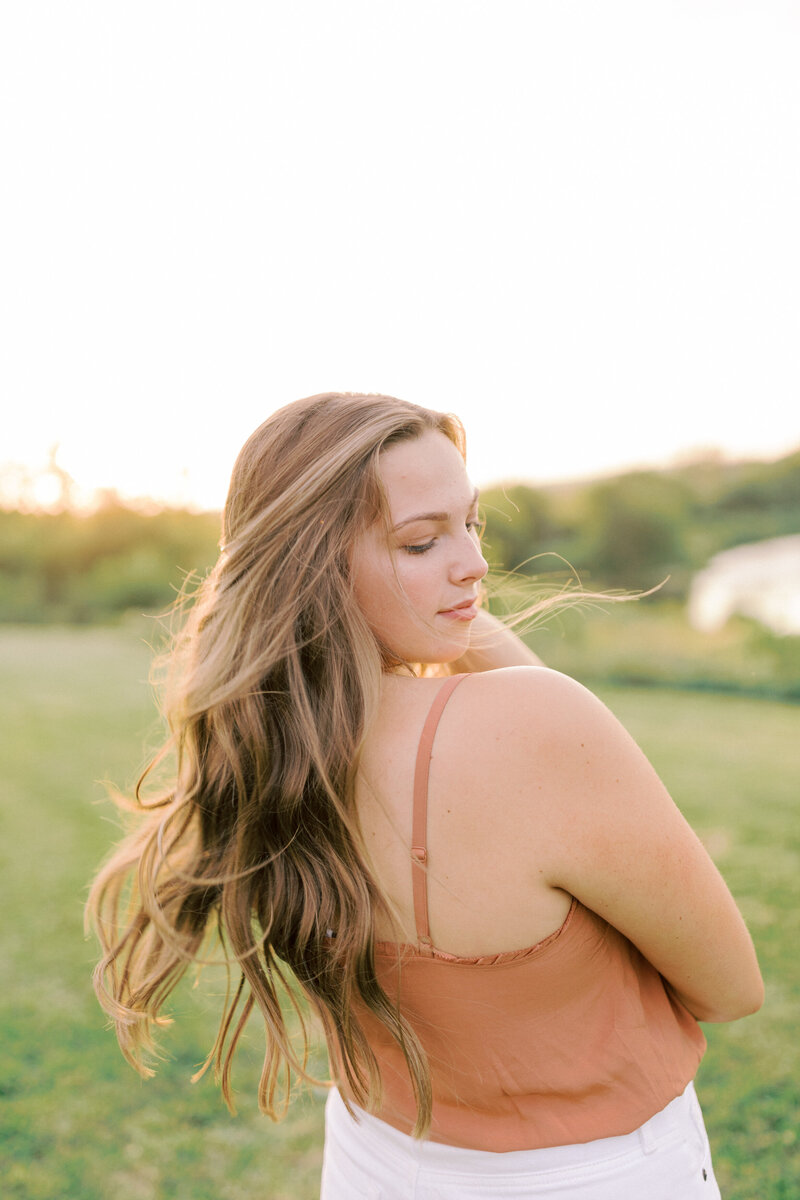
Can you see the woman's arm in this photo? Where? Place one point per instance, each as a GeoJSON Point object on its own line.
{"type": "Point", "coordinates": [494, 645]}
{"type": "Point", "coordinates": [608, 833]}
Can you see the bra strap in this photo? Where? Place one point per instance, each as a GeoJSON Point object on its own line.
{"type": "Point", "coordinates": [419, 827]}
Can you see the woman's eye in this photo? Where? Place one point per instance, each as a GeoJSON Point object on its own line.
{"type": "Point", "coordinates": [476, 526]}
{"type": "Point", "coordinates": [419, 549]}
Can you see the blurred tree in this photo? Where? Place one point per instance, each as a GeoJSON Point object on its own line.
{"type": "Point", "coordinates": [518, 526]}
{"type": "Point", "coordinates": [761, 486]}
{"type": "Point", "coordinates": [633, 528]}
{"type": "Point", "coordinates": [66, 566]}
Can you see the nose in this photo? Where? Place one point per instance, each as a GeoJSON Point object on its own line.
{"type": "Point", "coordinates": [469, 564]}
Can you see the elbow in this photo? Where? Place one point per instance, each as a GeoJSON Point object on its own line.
{"type": "Point", "coordinates": [757, 998]}
{"type": "Point", "coordinates": [743, 1005]}
{"type": "Point", "coordinates": [751, 1004]}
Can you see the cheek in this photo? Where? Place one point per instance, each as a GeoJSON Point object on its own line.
{"type": "Point", "coordinates": [378, 603]}
{"type": "Point", "coordinates": [375, 588]}
{"type": "Point", "coordinates": [392, 603]}
{"type": "Point", "coordinates": [414, 588]}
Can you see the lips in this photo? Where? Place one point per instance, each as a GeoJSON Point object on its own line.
{"type": "Point", "coordinates": [467, 610]}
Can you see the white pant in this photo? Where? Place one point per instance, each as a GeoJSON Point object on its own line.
{"type": "Point", "coordinates": [668, 1158]}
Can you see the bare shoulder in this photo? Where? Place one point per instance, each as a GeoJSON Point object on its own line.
{"type": "Point", "coordinates": [534, 702]}
{"type": "Point", "coordinates": [524, 684]}
{"type": "Point", "coordinates": [549, 723]}
{"type": "Point", "coordinates": [586, 802]}
{"type": "Point", "coordinates": [519, 722]}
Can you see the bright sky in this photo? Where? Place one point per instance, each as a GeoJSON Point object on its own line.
{"type": "Point", "coordinates": [573, 223]}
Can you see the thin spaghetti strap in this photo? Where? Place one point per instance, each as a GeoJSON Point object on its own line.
{"type": "Point", "coordinates": [419, 827]}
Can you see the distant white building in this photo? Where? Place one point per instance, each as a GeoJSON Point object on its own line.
{"type": "Point", "coordinates": [760, 580]}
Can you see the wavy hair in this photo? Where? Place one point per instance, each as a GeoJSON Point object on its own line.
{"type": "Point", "coordinates": [272, 682]}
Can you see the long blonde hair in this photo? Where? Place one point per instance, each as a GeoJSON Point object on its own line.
{"type": "Point", "coordinates": [272, 683]}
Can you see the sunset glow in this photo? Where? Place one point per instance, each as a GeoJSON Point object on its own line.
{"type": "Point", "coordinates": [577, 230]}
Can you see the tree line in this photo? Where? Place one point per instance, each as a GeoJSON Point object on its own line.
{"type": "Point", "coordinates": [636, 529]}
{"type": "Point", "coordinates": [631, 531]}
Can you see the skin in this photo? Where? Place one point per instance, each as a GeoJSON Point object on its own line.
{"type": "Point", "coordinates": [537, 794]}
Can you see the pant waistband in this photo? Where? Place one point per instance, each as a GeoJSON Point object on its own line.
{"type": "Point", "coordinates": [391, 1143]}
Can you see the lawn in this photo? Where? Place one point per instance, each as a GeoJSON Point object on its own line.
{"type": "Point", "coordinates": [75, 709]}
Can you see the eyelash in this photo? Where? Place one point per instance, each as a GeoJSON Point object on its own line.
{"type": "Point", "coordinates": [424, 546]}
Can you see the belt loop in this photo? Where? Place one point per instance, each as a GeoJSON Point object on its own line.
{"type": "Point", "coordinates": [647, 1138]}
{"type": "Point", "coordinates": [665, 1123]}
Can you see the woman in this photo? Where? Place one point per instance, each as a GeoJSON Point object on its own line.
{"type": "Point", "coordinates": [503, 922]}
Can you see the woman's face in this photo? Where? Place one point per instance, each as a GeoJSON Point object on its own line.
{"type": "Point", "coordinates": [420, 592]}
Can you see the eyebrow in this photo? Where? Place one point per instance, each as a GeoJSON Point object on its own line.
{"type": "Point", "coordinates": [433, 516]}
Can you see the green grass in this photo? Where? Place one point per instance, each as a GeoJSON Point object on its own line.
{"type": "Point", "coordinates": [77, 1122]}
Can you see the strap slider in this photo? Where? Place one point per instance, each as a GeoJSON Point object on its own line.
{"type": "Point", "coordinates": [419, 853]}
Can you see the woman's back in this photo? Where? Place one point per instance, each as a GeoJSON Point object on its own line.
{"type": "Point", "coordinates": [566, 1037]}
{"type": "Point", "coordinates": [537, 794]}
{"type": "Point", "coordinates": [487, 891]}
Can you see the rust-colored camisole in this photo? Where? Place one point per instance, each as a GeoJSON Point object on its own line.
{"type": "Point", "coordinates": [572, 1039]}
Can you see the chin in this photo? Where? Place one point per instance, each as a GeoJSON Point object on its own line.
{"type": "Point", "coordinates": [441, 654]}
{"type": "Point", "coordinates": [430, 650]}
